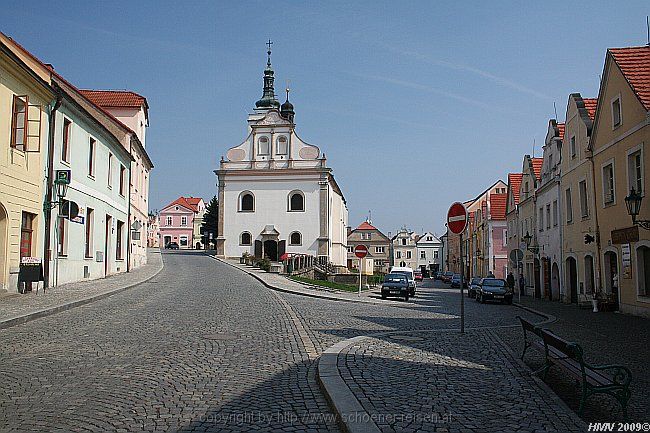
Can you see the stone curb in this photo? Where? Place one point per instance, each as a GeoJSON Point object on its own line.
{"type": "Point", "coordinates": [8, 323]}
{"type": "Point", "coordinates": [549, 317]}
{"type": "Point", "coordinates": [310, 295]}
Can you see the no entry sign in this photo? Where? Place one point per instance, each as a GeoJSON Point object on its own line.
{"type": "Point", "coordinates": [361, 251]}
{"type": "Point", "coordinates": [457, 218]}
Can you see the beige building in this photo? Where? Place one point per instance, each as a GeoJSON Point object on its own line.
{"type": "Point", "coordinates": [378, 245]}
{"type": "Point", "coordinates": [24, 99]}
{"type": "Point", "coordinates": [577, 198]}
{"type": "Point", "coordinates": [530, 178]}
{"type": "Point", "coordinates": [404, 249]}
{"type": "Point", "coordinates": [512, 221]}
{"type": "Point", "coordinates": [619, 143]}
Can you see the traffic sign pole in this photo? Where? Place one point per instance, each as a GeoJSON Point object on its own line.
{"type": "Point", "coordinates": [361, 251]}
{"type": "Point", "coordinates": [457, 223]}
{"type": "Point", "coordinates": [360, 269]}
{"type": "Point", "coordinates": [462, 294]}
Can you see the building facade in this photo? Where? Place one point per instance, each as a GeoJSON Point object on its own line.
{"type": "Point", "coordinates": [276, 193]}
{"type": "Point", "coordinates": [429, 254]}
{"type": "Point", "coordinates": [619, 141]}
{"type": "Point", "coordinates": [530, 178]}
{"type": "Point", "coordinates": [25, 100]}
{"type": "Point", "coordinates": [178, 222]}
{"type": "Point", "coordinates": [378, 245]}
{"type": "Point", "coordinates": [513, 226]}
{"type": "Point", "coordinates": [577, 202]}
{"type": "Point", "coordinates": [153, 231]}
{"type": "Point", "coordinates": [549, 229]}
{"type": "Point", "coordinates": [404, 249]}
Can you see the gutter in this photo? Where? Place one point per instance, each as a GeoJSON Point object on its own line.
{"type": "Point", "coordinates": [128, 212]}
{"type": "Point", "coordinates": [49, 184]}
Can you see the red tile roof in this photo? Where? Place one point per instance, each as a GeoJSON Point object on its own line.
{"type": "Point", "coordinates": [560, 128]}
{"type": "Point", "coordinates": [115, 98]}
{"type": "Point", "coordinates": [366, 226]}
{"type": "Point", "coordinates": [634, 62]}
{"type": "Point", "coordinates": [514, 180]}
{"type": "Point", "coordinates": [537, 166]}
{"type": "Point", "coordinates": [190, 203]}
{"type": "Point", "coordinates": [590, 105]}
{"type": "Point", "coordinates": [498, 206]}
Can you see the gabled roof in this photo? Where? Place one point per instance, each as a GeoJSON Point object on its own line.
{"type": "Point", "coordinates": [634, 63]}
{"type": "Point", "coordinates": [190, 203]}
{"type": "Point", "coordinates": [366, 226]}
{"type": "Point", "coordinates": [115, 98]}
{"type": "Point", "coordinates": [590, 105]}
{"type": "Point", "coordinates": [498, 206]}
{"type": "Point", "coordinates": [514, 182]}
{"type": "Point", "coordinates": [537, 166]}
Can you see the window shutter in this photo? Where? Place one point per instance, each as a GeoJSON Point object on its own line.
{"type": "Point", "coordinates": [282, 248]}
{"type": "Point", "coordinates": [33, 139]}
{"type": "Point", "coordinates": [258, 248]}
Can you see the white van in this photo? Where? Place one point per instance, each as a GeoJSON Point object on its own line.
{"type": "Point", "coordinates": [409, 274]}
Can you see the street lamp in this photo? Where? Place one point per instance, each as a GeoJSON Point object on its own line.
{"type": "Point", "coordinates": [478, 252]}
{"type": "Point", "coordinates": [633, 204]}
{"type": "Point", "coordinates": [532, 248]}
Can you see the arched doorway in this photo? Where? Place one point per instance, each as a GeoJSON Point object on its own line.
{"type": "Point", "coordinates": [538, 279]}
{"type": "Point", "coordinates": [3, 247]}
{"type": "Point", "coordinates": [555, 282]}
{"type": "Point", "coordinates": [572, 279]}
{"type": "Point", "coordinates": [611, 275]}
{"type": "Point", "coordinates": [589, 275]}
{"type": "Point", "coordinates": [271, 250]}
{"type": "Point", "coordinates": [198, 245]}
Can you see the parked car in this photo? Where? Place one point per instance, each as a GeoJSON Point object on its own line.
{"type": "Point", "coordinates": [473, 287]}
{"type": "Point", "coordinates": [418, 276]}
{"type": "Point", "coordinates": [408, 272]}
{"type": "Point", "coordinates": [446, 277]}
{"type": "Point", "coordinates": [493, 289]}
{"type": "Point", "coordinates": [171, 246]}
{"type": "Point", "coordinates": [395, 284]}
{"type": "Point", "coordinates": [437, 275]}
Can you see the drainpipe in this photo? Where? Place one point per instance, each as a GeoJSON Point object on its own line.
{"type": "Point", "coordinates": [128, 211]}
{"type": "Point", "coordinates": [597, 269]}
{"type": "Point", "coordinates": [49, 184]}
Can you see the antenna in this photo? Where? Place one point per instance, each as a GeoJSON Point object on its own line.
{"type": "Point", "coordinates": [533, 147]}
{"type": "Point", "coordinates": [555, 110]}
{"type": "Point", "coordinates": [647, 24]}
{"type": "Point", "coordinates": [369, 217]}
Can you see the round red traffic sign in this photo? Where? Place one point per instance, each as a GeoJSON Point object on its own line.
{"type": "Point", "coordinates": [457, 218]}
{"type": "Point", "coordinates": [361, 251]}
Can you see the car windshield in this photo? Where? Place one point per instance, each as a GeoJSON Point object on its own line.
{"type": "Point", "coordinates": [476, 280]}
{"type": "Point", "coordinates": [395, 278]}
{"type": "Point", "coordinates": [456, 277]}
{"type": "Point", "coordinates": [493, 282]}
{"type": "Point", "coordinates": [406, 274]}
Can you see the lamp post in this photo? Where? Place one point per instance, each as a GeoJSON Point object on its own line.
{"type": "Point", "coordinates": [633, 204]}
{"type": "Point", "coordinates": [528, 239]}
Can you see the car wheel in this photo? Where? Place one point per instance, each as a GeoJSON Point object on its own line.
{"type": "Point", "coordinates": [481, 300]}
{"type": "Point", "coordinates": [383, 296]}
{"type": "Point", "coordinates": [406, 297]}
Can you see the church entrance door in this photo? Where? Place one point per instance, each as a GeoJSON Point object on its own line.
{"type": "Point", "coordinates": [271, 250]}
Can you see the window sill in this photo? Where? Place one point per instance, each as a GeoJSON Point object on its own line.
{"type": "Point", "coordinates": [89, 258]}
{"type": "Point", "coordinates": [606, 205]}
{"type": "Point", "coordinates": [119, 260]}
{"type": "Point", "coordinates": [66, 163]}
{"type": "Point", "coordinates": [245, 211]}
{"type": "Point", "coordinates": [586, 217]}
{"type": "Point", "coordinates": [91, 177]}
{"type": "Point", "coordinates": [295, 211]}
{"type": "Point", "coordinates": [62, 256]}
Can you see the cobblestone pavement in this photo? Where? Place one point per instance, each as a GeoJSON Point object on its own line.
{"type": "Point", "coordinates": [607, 338]}
{"type": "Point", "coordinates": [445, 381]}
{"type": "Point", "coordinates": [14, 306]}
{"type": "Point", "coordinates": [202, 348]}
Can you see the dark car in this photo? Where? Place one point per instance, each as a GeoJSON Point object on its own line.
{"type": "Point", "coordinates": [446, 277]}
{"type": "Point", "coordinates": [493, 289]}
{"type": "Point", "coordinates": [395, 285]}
{"type": "Point", "coordinates": [455, 281]}
{"type": "Point", "coordinates": [171, 246]}
{"type": "Point", "coordinates": [437, 275]}
{"type": "Point", "coordinates": [473, 287]}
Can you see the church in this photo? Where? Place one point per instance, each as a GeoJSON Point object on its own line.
{"type": "Point", "coordinates": [276, 193]}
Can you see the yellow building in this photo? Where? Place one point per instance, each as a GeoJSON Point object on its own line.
{"type": "Point", "coordinates": [619, 143]}
{"type": "Point", "coordinates": [530, 178]}
{"type": "Point", "coordinates": [578, 218]}
{"type": "Point", "coordinates": [24, 98]}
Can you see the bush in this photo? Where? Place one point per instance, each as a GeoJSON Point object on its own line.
{"type": "Point", "coordinates": [264, 264]}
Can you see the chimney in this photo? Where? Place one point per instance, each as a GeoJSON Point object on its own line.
{"type": "Point", "coordinates": [349, 230]}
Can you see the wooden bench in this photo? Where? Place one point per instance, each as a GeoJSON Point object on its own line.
{"type": "Point", "coordinates": [537, 342]}
{"type": "Point", "coordinates": [594, 379]}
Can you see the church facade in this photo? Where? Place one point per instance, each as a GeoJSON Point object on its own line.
{"type": "Point", "coordinates": [276, 193]}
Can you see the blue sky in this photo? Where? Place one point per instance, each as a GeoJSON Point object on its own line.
{"type": "Point", "coordinates": [416, 104]}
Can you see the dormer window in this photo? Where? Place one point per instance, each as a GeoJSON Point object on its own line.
{"type": "Point", "coordinates": [282, 146]}
{"type": "Point", "coordinates": [263, 146]}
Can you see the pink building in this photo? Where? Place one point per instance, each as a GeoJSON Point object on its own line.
{"type": "Point", "coordinates": [177, 221]}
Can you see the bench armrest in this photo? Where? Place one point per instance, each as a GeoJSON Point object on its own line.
{"type": "Point", "coordinates": [620, 374]}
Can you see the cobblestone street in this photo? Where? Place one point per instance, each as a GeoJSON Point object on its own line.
{"type": "Point", "coordinates": [204, 347]}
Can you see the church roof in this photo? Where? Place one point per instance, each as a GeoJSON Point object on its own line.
{"type": "Point", "coordinates": [366, 226]}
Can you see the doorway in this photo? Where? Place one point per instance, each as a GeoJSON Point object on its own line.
{"type": "Point", "coordinates": [107, 244]}
{"type": "Point", "coordinates": [589, 275]}
{"type": "Point", "coordinates": [572, 279]}
{"type": "Point", "coordinates": [538, 280]}
{"type": "Point", "coordinates": [555, 282]}
{"type": "Point", "coordinates": [271, 250]}
{"type": "Point", "coordinates": [611, 275]}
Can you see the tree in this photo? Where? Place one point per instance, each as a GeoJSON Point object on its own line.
{"type": "Point", "coordinates": [211, 221]}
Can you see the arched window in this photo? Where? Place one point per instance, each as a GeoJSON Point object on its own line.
{"type": "Point", "coordinates": [245, 238]}
{"type": "Point", "coordinates": [263, 146]}
{"type": "Point", "coordinates": [295, 238]}
{"type": "Point", "coordinates": [296, 201]}
{"type": "Point", "coordinates": [246, 202]}
{"type": "Point", "coordinates": [283, 146]}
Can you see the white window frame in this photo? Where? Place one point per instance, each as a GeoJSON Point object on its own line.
{"type": "Point", "coordinates": [423, 255]}
{"type": "Point", "coordinates": [379, 250]}
{"type": "Point", "coordinates": [620, 110]}
{"type": "Point", "coordinates": [291, 243]}
{"type": "Point", "coordinates": [183, 220]}
{"type": "Point", "coordinates": [180, 240]}
{"type": "Point", "coordinates": [241, 237]}
{"type": "Point", "coordinates": [259, 145]}
{"type": "Point", "coordinates": [277, 145]}
{"type": "Point", "coordinates": [602, 171]}
{"type": "Point", "coordinates": [290, 196]}
{"type": "Point", "coordinates": [240, 200]}
{"type": "Point", "coordinates": [572, 147]}
{"type": "Point", "coordinates": [568, 204]}
{"type": "Point", "coordinates": [169, 221]}
{"type": "Point", "coordinates": [630, 152]}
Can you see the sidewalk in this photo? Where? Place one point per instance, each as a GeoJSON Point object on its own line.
{"type": "Point", "coordinates": [16, 309]}
{"type": "Point", "coordinates": [607, 338]}
{"type": "Point", "coordinates": [440, 381]}
{"type": "Point", "coordinates": [284, 284]}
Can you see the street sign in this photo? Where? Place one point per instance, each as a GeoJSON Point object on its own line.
{"type": "Point", "coordinates": [63, 177]}
{"type": "Point", "coordinates": [361, 251]}
{"type": "Point", "coordinates": [457, 218]}
{"type": "Point", "coordinates": [516, 256]}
